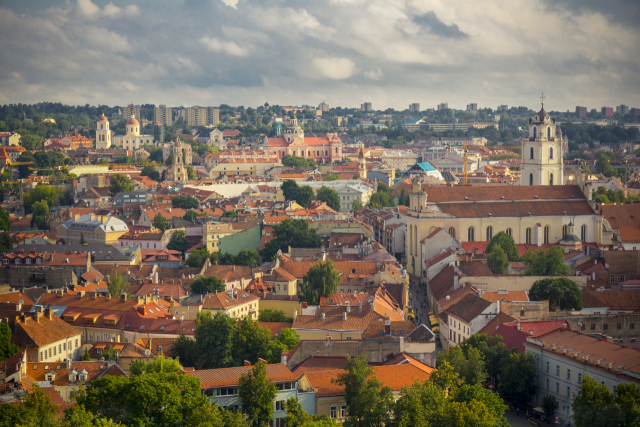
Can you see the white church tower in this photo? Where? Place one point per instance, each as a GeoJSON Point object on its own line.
{"type": "Point", "coordinates": [542, 152]}
{"type": "Point", "coordinates": [103, 134]}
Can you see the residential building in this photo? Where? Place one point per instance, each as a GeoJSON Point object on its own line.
{"type": "Point", "coordinates": [235, 303]}
{"type": "Point", "coordinates": [400, 160]}
{"type": "Point", "coordinates": [481, 125]}
{"type": "Point", "coordinates": [148, 240]}
{"type": "Point", "coordinates": [10, 138]}
{"type": "Point", "coordinates": [414, 108]}
{"type": "Point", "coordinates": [581, 112]}
{"type": "Point", "coordinates": [162, 258]}
{"type": "Point", "coordinates": [202, 116]}
{"type": "Point", "coordinates": [213, 233]}
{"type": "Point", "coordinates": [341, 121]}
{"type": "Point", "coordinates": [466, 318]}
{"type": "Point", "coordinates": [133, 140]}
{"type": "Point", "coordinates": [622, 109]}
{"type": "Point", "coordinates": [33, 259]}
{"type": "Point", "coordinates": [472, 107]}
{"type": "Point", "coordinates": [76, 141]}
{"type": "Point", "coordinates": [366, 107]}
{"type": "Point", "coordinates": [443, 106]}
{"type": "Point", "coordinates": [607, 111]}
{"type": "Point", "coordinates": [95, 197]}
{"type": "Point", "coordinates": [163, 115]}
{"type": "Point", "coordinates": [502, 107]}
{"type": "Point", "coordinates": [45, 337]}
{"type": "Point", "coordinates": [14, 152]}
{"type": "Point", "coordinates": [130, 198]}
{"type": "Point", "coordinates": [323, 106]}
{"type": "Point", "coordinates": [92, 229]}
{"type": "Point", "coordinates": [222, 386]}
{"type": "Point", "coordinates": [103, 134]}
{"type": "Point", "coordinates": [564, 357]}
{"type": "Point", "coordinates": [413, 125]}
{"type": "Point", "coordinates": [131, 111]}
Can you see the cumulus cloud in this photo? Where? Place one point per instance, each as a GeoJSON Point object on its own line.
{"type": "Point", "coordinates": [228, 47]}
{"type": "Point", "coordinates": [389, 52]}
{"type": "Point", "coordinates": [335, 68]}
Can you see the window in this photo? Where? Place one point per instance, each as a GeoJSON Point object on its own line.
{"type": "Point", "coordinates": [531, 176]}
{"type": "Point", "coordinates": [593, 326]}
{"type": "Point", "coordinates": [565, 230]}
{"type": "Point", "coordinates": [333, 412]}
{"type": "Point", "coordinates": [579, 377]}
{"type": "Point", "coordinates": [550, 179]}
{"type": "Point", "coordinates": [489, 232]}
{"type": "Point", "coordinates": [531, 149]}
{"type": "Point", "coordinates": [583, 232]}
{"type": "Point", "coordinates": [528, 236]}
{"type": "Point", "coordinates": [344, 413]}
{"type": "Point", "coordinates": [568, 391]}
{"type": "Point", "coordinates": [569, 374]}
{"type": "Point", "coordinates": [619, 326]}
{"type": "Point", "coordinates": [550, 149]}
{"type": "Point", "coordinates": [547, 383]}
{"type": "Point", "coordinates": [546, 234]}
{"type": "Point", "coordinates": [452, 232]}
{"type": "Point", "coordinates": [547, 366]}
{"type": "Point", "coordinates": [557, 387]}
{"type": "Point", "coordinates": [632, 325]}
{"type": "Point", "coordinates": [471, 234]}
{"type": "Point", "coordinates": [280, 405]}
{"type": "Point", "coordinates": [509, 232]}
{"type": "Point", "coordinates": [557, 370]}
{"type": "Point", "coordinates": [612, 279]}
{"type": "Point", "coordinates": [582, 326]}
{"type": "Point", "coordinates": [622, 278]}
{"type": "Point", "coordinates": [605, 326]}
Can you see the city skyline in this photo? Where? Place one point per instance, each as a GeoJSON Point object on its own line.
{"type": "Point", "coordinates": [391, 54]}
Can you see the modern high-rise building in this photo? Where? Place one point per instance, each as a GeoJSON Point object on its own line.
{"type": "Point", "coordinates": [366, 107]}
{"type": "Point", "coordinates": [202, 116]}
{"type": "Point", "coordinates": [131, 110]}
{"type": "Point", "coordinates": [607, 111]}
{"type": "Point", "coordinates": [502, 107]}
{"type": "Point", "coordinates": [323, 106]}
{"type": "Point", "coordinates": [622, 109]}
{"type": "Point", "coordinates": [443, 106]}
{"type": "Point", "coordinates": [581, 112]}
{"type": "Point", "coordinates": [472, 107]}
{"type": "Point", "coordinates": [158, 133]}
{"type": "Point", "coordinates": [415, 107]}
{"type": "Point", "coordinates": [163, 115]}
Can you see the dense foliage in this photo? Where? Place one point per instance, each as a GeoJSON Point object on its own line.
{"type": "Point", "coordinates": [290, 232]}
{"type": "Point", "coordinates": [321, 280]}
{"type": "Point", "coordinates": [560, 292]}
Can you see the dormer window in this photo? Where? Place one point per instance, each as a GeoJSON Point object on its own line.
{"type": "Point", "coordinates": [27, 261]}
{"type": "Point", "coordinates": [5, 261]}
{"type": "Point", "coordinates": [38, 260]}
{"type": "Point", "coordinates": [18, 261]}
{"type": "Point", "coordinates": [83, 377]}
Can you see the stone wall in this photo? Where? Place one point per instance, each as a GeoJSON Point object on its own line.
{"type": "Point", "coordinates": [29, 277]}
{"type": "Point", "coordinates": [526, 310]}
{"type": "Point", "coordinates": [605, 324]}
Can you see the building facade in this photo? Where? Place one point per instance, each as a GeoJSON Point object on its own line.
{"type": "Point", "coordinates": [103, 134]}
{"type": "Point", "coordinates": [92, 229]}
{"type": "Point", "coordinates": [542, 152]}
{"type": "Point", "coordinates": [133, 140]}
{"type": "Point", "coordinates": [163, 115]}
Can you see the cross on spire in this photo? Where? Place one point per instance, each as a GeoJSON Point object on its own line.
{"type": "Point", "coordinates": [542, 99]}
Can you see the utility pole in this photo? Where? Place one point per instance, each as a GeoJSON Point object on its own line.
{"type": "Point", "coordinates": [465, 162]}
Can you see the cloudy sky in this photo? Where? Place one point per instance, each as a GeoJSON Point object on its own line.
{"type": "Point", "coordinates": [344, 52]}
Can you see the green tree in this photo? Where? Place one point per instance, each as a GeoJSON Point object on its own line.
{"type": "Point", "coordinates": [298, 162]}
{"type": "Point", "coordinates": [493, 402]}
{"type": "Point", "coordinates": [82, 241]}
{"type": "Point", "coordinates": [213, 416]}
{"type": "Point", "coordinates": [31, 142]}
{"type": "Point", "coordinates": [304, 196]}
{"type": "Point", "coordinates": [295, 233]}
{"type": "Point", "coordinates": [36, 410]}
{"type": "Point", "coordinates": [86, 356]}
{"type": "Point", "coordinates": [593, 405]}
{"type": "Point", "coordinates": [151, 172]}
{"type": "Point", "coordinates": [331, 177]}
{"type": "Point", "coordinates": [77, 416]}
{"type": "Point", "coordinates": [197, 258]}
{"type": "Point", "coordinates": [356, 205]}
{"type": "Point", "coordinates": [157, 365]}
{"type": "Point", "coordinates": [507, 244]}
{"type": "Point", "coordinates": [290, 189]}
{"type": "Point", "coordinates": [5, 220]}
{"type": "Point", "coordinates": [178, 242]}
{"type": "Point", "coordinates": [296, 415]}
{"type": "Point", "coordinates": [191, 174]}
{"type": "Point", "coordinates": [169, 160]}
{"type": "Point", "coordinates": [215, 337]}
{"type": "Point", "coordinates": [330, 197]}
{"type": "Point", "coordinates": [229, 213]}
{"type": "Point", "coordinates": [420, 405]}
{"type": "Point", "coordinates": [273, 315]}
{"type": "Point", "coordinates": [403, 200]}
{"type": "Point", "coordinates": [245, 258]}
{"type": "Point", "coordinates": [254, 342]}
{"type": "Point", "coordinates": [185, 202]}
{"type": "Point", "coordinates": [545, 262]}
{"type": "Point", "coordinates": [368, 402]}
{"type": "Point", "coordinates": [116, 284]}
{"type": "Point", "coordinates": [123, 159]}
{"type": "Point", "coordinates": [157, 399]}
{"type": "Point", "coordinates": [518, 377]}
{"type": "Point", "coordinates": [471, 367]}
{"type": "Point", "coordinates": [493, 352]}
{"type": "Point", "coordinates": [497, 261]}
{"type": "Point", "coordinates": [209, 284]}
{"type": "Point", "coordinates": [446, 377]}
{"type": "Point", "coordinates": [550, 405]}
{"type": "Point", "coordinates": [159, 222]}
{"type": "Point", "coordinates": [119, 183]}
{"type": "Point", "coordinates": [257, 393]}
{"type": "Point", "coordinates": [185, 350]}
{"type": "Point", "coordinates": [109, 354]}
{"type": "Point", "coordinates": [561, 292]}
{"type": "Point", "coordinates": [190, 216]}
{"type": "Point", "coordinates": [321, 280]}
{"type": "Point", "coordinates": [7, 349]}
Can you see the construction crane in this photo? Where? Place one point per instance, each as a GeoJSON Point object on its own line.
{"type": "Point", "coordinates": [465, 162]}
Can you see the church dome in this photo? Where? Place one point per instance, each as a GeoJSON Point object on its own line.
{"type": "Point", "coordinates": [133, 121]}
{"type": "Point", "coordinates": [102, 118]}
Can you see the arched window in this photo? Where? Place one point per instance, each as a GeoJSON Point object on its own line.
{"type": "Point", "coordinates": [583, 232]}
{"type": "Point", "coordinates": [551, 152]}
{"type": "Point", "coordinates": [565, 230]}
{"type": "Point", "coordinates": [535, 133]}
{"type": "Point", "coordinates": [546, 234]}
{"type": "Point", "coordinates": [509, 232]}
{"type": "Point", "coordinates": [531, 153]}
{"type": "Point", "coordinates": [415, 240]}
{"type": "Point", "coordinates": [604, 227]}
{"type": "Point", "coordinates": [452, 232]}
{"type": "Point", "coordinates": [489, 232]}
{"type": "Point", "coordinates": [528, 236]}
{"type": "Point", "coordinates": [551, 179]}
{"type": "Point", "coordinates": [410, 239]}
{"type": "Point", "coordinates": [471, 234]}
{"type": "Point", "coordinates": [530, 179]}
{"type": "Point", "coordinates": [549, 133]}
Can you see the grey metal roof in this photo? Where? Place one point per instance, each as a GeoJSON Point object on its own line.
{"type": "Point", "coordinates": [98, 251]}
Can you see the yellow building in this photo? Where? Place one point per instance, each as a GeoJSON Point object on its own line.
{"type": "Point", "coordinates": [92, 229]}
{"type": "Point", "coordinates": [132, 140]}
{"type": "Point", "coordinates": [235, 303]}
{"type": "Point", "coordinates": [212, 233]}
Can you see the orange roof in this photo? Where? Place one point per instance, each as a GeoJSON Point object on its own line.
{"type": "Point", "coordinates": [15, 297]}
{"type": "Point", "coordinates": [507, 295]}
{"type": "Point", "coordinates": [230, 377]}
{"type": "Point", "coordinates": [394, 376]}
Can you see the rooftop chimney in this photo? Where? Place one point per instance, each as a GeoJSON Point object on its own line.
{"type": "Point", "coordinates": [123, 297]}
{"type": "Point", "coordinates": [344, 316]}
{"type": "Point", "coordinates": [19, 306]}
{"type": "Point", "coordinates": [68, 363]}
{"type": "Point", "coordinates": [348, 306]}
{"type": "Point", "coordinates": [48, 313]}
{"type": "Point", "coordinates": [295, 314]}
{"type": "Point", "coordinates": [247, 363]}
{"type": "Point", "coordinates": [321, 316]}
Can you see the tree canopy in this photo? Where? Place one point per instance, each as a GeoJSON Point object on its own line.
{"type": "Point", "coordinates": [330, 197]}
{"type": "Point", "coordinates": [178, 242]}
{"type": "Point", "coordinates": [209, 284]}
{"type": "Point", "coordinates": [302, 195]}
{"type": "Point", "coordinates": [119, 183]}
{"type": "Point", "coordinates": [116, 284]}
{"type": "Point", "coordinates": [185, 202]}
{"type": "Point", "coordinates": [507, 244]}
{"type": "Point", "coordinates": [321, 280]}
{"type": "Point", "coordinates": [257, 393]}
{"type": "Point", "coordinates": [545, 262]}
{"type": "Point", "coordinates": [290, 232]}
{"type": "Point", "coordinates": [151, 172]}
{"type": "Point", "coordinates": [7, 349]}
{"type": "Point", "coordinates": [561, 292]}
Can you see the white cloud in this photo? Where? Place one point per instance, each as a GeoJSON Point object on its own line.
{"type": "Point", "coordinates": [228, 47]}
{"type": "Point", "coordinates": [374, 74]}
{"type": "Point", "coordinates": [335, 68]}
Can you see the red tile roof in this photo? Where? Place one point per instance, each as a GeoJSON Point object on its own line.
{"type": "Point", "coordinates": [230, 377]}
